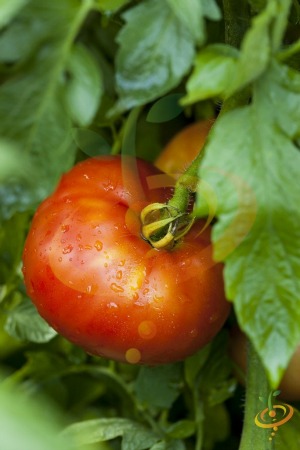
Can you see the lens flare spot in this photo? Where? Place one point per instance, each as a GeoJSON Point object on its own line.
{"type": "Point", "coordinates": [133, 355]}
{"type": "Point", "coordinates": [147, 329]}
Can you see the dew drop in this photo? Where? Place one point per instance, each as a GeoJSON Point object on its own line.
{"type": "Point", "coordinates": [194, 333]}
{"type": "Point", "coordinates": [98, 246]}
{"type": "Point", "coordinates": [65, 228]}
{"type": "Point", "coordinates": [112, 305]}
{"type": "Point", "coordinates": [119, 275]}
{"type": "Point", "coordinates": [78, 237]}
{"type": "Point", "coordinates": [135, 296]}
{"type": "Point", "coordinates": [60, 259]}
{"type": "Point", "coordinates": [145, 291]}
{"type": "Point", "coordinates": [67, 249]}
{"type": "Point", "coordinates": [88, 247]}
{"type": "Point", "coordinates": [122, 262]}
{"type": "Point", "coordinates": [116, 288]}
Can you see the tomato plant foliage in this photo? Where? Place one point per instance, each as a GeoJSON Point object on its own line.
{"type": "Point", "coordinates": [81, 78]}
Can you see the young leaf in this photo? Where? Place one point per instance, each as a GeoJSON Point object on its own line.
{"type": "Point", "coordinates": [214, 67]}
{"type": "Point", "coordinates": [151, 68]}
{"type": "Point", "coordinates": [26, 324]}
{"type": "Point", "coordinates": [253, 167]}
{"type": "Point", "coordinates": [84, 87]}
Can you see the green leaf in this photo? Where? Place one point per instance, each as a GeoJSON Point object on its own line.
{"type": "Point", "coordinates": [194, 364]}
{"type": "Point", "coordinates": [214, 66]}
{"type": "Point", "coordinates": [8, 9]}
{"type": "Point", "coordinates": [216, 425]}
{"type": "Point", "coordinates": [288, 435]}
{"type": "Point", "coordinates": [12, 235]}
{"type": "Point", "coordinates": [220, 70]}
{"type": "Point", "coordinates": [110, 5]}
{"type": "Point", "coordinates": [158, 386]}
{"type": "Point", "coordinates": [211, 10]}
{"type": "Point", "coordinates": [261, 41]}
{"type": "Point", "coordinates": [135, 436]}
{"type": "Point", "coordinates": [91, 143]}
{"type": "Point", "coordinates": [253, 166]}
{"type": "Point", "coordinates": [29, 424]}
{"type": "Point", "coordinates": [83, 89]}
{"type": "Point", "coordinates": [165, 109]}
{"type": "Point", "coordinates": [181, 430]}
{"type": "Point", "coordinates": [32, 113]}
{"type": "Point", "coordinates": [151, 68]}
{"type": "Point", "coordinates": [190, 14]}
{"type": "Point", "coordinates": [25, 323]}
{"type": "Point", "coordinates": [169, 445]}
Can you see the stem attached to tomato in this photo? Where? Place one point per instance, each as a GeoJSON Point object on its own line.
{"type": "Point", "coordinates": [163, 224]}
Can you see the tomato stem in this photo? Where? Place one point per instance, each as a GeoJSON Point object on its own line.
{"type": "Point", "coordinates": [164, 224]}
{"type": "Point", "coordinates": [257, 387]}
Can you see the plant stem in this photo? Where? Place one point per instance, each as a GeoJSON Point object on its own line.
{"type": "Point", "coordinates": [254, 437]}
{"type": "Point", "coordinates": [236, 21]}
{"type": "Point", "coordinates": [186, 184]}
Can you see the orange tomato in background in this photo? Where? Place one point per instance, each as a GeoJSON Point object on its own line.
{"type": "Point", "coordinates": [183, 147]}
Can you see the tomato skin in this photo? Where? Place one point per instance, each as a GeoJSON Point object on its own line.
{"type": "Point", "coordinates": [99, 284]}
{"type": "Point", "coordinates": [183, 147]}
{"type": "Point", "coordinates": [289, 386]}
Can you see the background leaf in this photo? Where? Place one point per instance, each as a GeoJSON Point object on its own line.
{"type": "Point", "coordinates": [158, 386]}
{"type": "Point", "coordinates": [151, 68]}
{"type": "Point", "coordinates": [31, 110]}
{"type": "Point", "coordinates": [84, 85]}
{"type": "Point", "coordinates": [8, 9]}
{"type": "Point", "coordinates": [26, 324]}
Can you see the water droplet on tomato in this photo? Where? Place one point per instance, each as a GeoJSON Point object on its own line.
{"type": "Point", "coordinates": [105, 264]}
{"type": "Point", "coordinates": [145, 291]}
{"type": "Point", "coordinates": [67, 249]}
{"type": "Point", "coordinates": [135, 296]}
{"type": "Point", "coordinates": [116, 288]}
{"type": "Point", "coordinates": [194, 333]}
{"type": "Point", "coordinates": [98, 246]}
{"type": "Point", "coordinates": [88, 247]}
{"type": "Point", "coordinates": [60, 259]}
{"type": "Point", "coordinates": [112, 305]}
{"type": "Point", "coordinates": [119, 275]}
{"type": "Point", "coordinates": [65, 228]}
{"type": "Point", "coordinates": [122, 262]}
{"type": "Point", "coordinates": [78, 237]}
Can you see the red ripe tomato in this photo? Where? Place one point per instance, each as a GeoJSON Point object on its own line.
{"type": "Point", "coordinates": [99, 284]}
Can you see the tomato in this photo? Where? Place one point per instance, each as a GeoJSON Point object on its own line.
{"type": "Point", "coordinates": [96, 281]}
{"type": "Point", "coordinates": [289, 386]}
{"type": "Point", "coordinates": [184, 147]}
